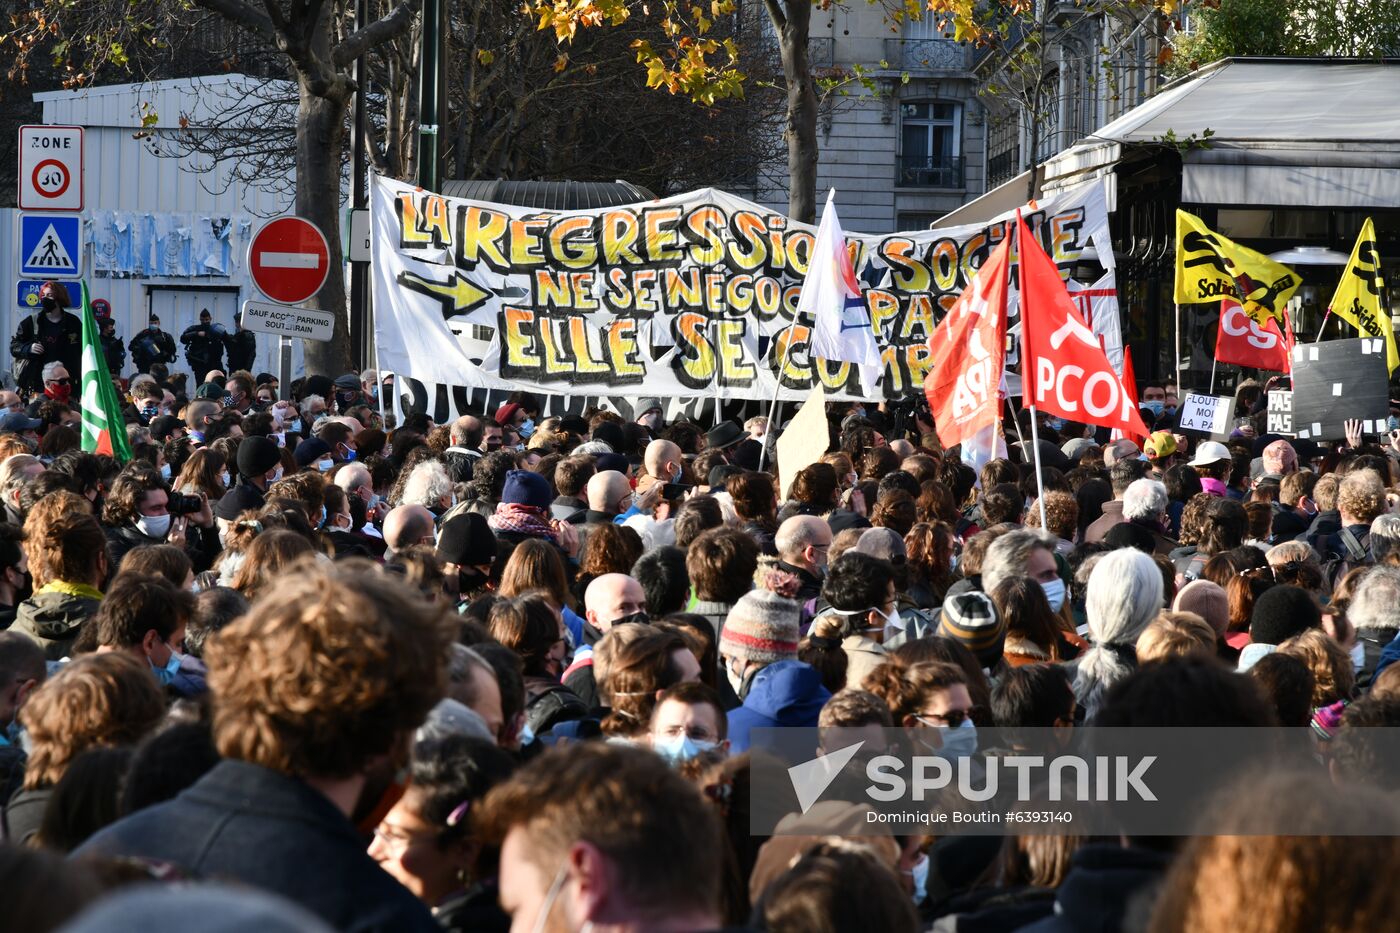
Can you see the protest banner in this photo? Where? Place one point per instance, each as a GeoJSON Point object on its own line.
{"type": "Point", "coordinates": [1336, 381]}
{"type": "Point", "coordinates": [691, 296]}
{"type": "Point", "coordinates": [1280, 412]}
{"type": "Point", "coordinates": [1210, 267]}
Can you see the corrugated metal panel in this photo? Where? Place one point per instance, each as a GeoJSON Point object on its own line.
{"type": "Point", "coordinates": [122, 173]}
{"type": "Point", "coordinates": [549, 195]}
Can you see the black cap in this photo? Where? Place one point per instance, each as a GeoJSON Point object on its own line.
{"type": "Point", "coordinates": [257, 455]}
{"type": "Point", "coordinates": [164, 426]}
{"type": "Point", "coordinates": [466, 540]}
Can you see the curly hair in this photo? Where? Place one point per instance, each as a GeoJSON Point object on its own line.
{"type": "Point", "coordinates": [1061, 515]}
{"type": "Point", "coordinates": [1193, 518]}
{"type": "Point", "coordinates": [610, 549]}
{"type": "Point", "coordinates": [1333, 676]}
{"type": "Point", "coordinates": [935, 503]}
{"type": "Point", "coordinates": [107, 700]}
{"type": "Point", "coordinates": [636, 664]}
{"type": "Point", "coordinates": [929, 551]}
{"type": "Point", "coordinates": [906, 688]}
{"type": "Point", "coordinates": [333, 666]}
{"type": "Point", "coordinates": [307, 488]}
{"type": "Point", "coordinates": [63, 540]}
{"type": "Point", "coordinates": [271, 554]}
{"type": "Point", "coordinates": [1361, 496]}
{"type": "Point", "coordinates": [123, 503]}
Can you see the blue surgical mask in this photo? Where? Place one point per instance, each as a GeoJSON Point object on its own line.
{"type": "Point", "coordinates": [959, 742]}
{"type": "Point", "coordinates": [1156, 406]}
{"type": "Point", "coordinates": [325, 464]}
{"type": "Point", "coordinates": [1054, 593]}
{"type": "Point", "coordinates": [919, 875]}
{"type": "Point", "coordinates": [679, 749]}
{"type": "Point", "coordinates": [1055, 424]}
{"type": "Point", "coordinates": [350, 454]}
{"type": "Point", "coordinates": [167, 674]}
{"type": "Point", "coordinates": [321, 522]}
{"type": "Point", "coordinates": [165, 472]}
{"type": "Point", "coordinates": [374, 499]}
{"type": "Point", "coordinates": [526, 427]}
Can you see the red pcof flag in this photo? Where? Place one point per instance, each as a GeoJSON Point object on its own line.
{"type": "Point", "coordinates": [969, 351]}
{"type": "Point", "coordinates": [1130, 385]}
{"type": "Point", "coordinates": [1064, 369]}
{"type": "Point", "coordinates": [1241, 340]}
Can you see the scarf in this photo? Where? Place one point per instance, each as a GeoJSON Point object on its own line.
{"type": "Point", "coordinates": [515, 518]}
{"type": "Point", "coordinates": [70, 589]}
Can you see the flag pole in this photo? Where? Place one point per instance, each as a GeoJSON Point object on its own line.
{"type": "Point", "coordinates": [1178, 348]}
{"type": "Point", "coordinates": [1026, 361]}
{"type": "Point", "coordinates": [1035, 448]}
{"type": "Point", "coordinates": [1213, 361]}
{"type": "Point", "coordinates": [777, 388]}
{"type": "Point", "coordinates": [1324, 324]}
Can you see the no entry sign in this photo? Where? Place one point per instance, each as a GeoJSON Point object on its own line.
{"type": "Point", "coordinates": [51, 168]}
{"type": "Point", "coordinates": [289, 259]}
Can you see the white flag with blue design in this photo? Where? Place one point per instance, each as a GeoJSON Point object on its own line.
{"type": "Point", "coordinates": [831, 294]}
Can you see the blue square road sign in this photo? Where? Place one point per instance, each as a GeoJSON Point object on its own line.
{"type": "Point", "coordinates": [49, 245]}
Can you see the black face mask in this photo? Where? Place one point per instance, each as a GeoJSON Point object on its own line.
{"type": "Point", "coordinates": [25, 589]}
{"type": "Point", "coordinates": [49, 304]}
{"type": "Point", "coordinates": [640, 617]}
{"type": "Point", "coordinates": [470, 580]}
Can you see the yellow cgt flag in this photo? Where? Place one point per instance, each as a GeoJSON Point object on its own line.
{"type": "Point", "coordinates": [1210, 267]}
{"type": "Point", "coordinates": [1358, 297]}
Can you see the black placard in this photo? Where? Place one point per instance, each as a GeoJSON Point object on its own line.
{"type": "Point", "coordinates": [1336, 381]}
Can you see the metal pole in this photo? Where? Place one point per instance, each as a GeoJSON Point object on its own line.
{"type": "Point", "coordinates": [1039, 481]}
{"type": "Point", "coordinates": [429, 101]}
{"type": "Point", "coordinates": [359, 271]}
{"type": "Point", "coordinates": [284, 366]}
{"type": "Point", "coordinates": [1177, 374]}
{"type": "Point", "coordinates": [1212, 375]}
{"type": "Point", "coordinates": [1324, 324]}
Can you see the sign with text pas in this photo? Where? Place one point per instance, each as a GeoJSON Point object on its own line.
{"type": "Point", "coordinates": [1280, 411]}
{"type": "Point", "coordinates": [689, 296]}
{"type": "Point", "coordinates": [1208, 413]}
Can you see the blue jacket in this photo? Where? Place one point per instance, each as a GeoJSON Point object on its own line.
{"type": "Point", "coordinates": [246, 823]}
{"type": "Point", "coordinates": [1389, 655]}
{"type": "Point", "coordinates": [786, 693]}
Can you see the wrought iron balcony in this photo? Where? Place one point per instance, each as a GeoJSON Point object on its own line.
{"type": "Point", "coordinates": [928, 56]}
{"type": "Point", "coordinates": [930, 172]}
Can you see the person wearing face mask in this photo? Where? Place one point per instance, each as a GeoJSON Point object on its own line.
{"type": "Point", "coordinates": [611, 599]}
{"type": "Point", "coordinates": [58, 387]}
{"type": "Point", "coordinates": [315, 732]}
{"type": "Point", "coordinates": [530, 626]}
{"type": "Point", "coordinates": [144, 616]}
{"type": "Point", "coordinates": [1154, 399]}
{"type": "Point", "coordinates": [338, 434]}
{"type": "Point", "coordinates": [259, 466]}
{"type": "Point", "coordinates": [1124, 596]}
{"type": "Point", "coordinates": [241, 345]}
{"type": "Point", "coordinates": [860, 590]}
{"type": "Point", "coordinates": [649, 415]}
{"type": "Point", "coordinates": [204, 346]}
{"type": "Point", "coordinates": [349, 393]}
{"type": "Point", "coordinates": [758, 657]}
{"type": "Point", "coordinates": [803, 542]}
{"type": "Point", "coordinates": [49, 335]}
{"type": "Point", "coordinates": [15, 583]}
{"type": "Point", "coordinates": [662, 462]}
{"type": "Point", "coordinates": [931, 701]}
{"type": "Point", "coordinates": [688, 721]}
{"type": "Point", "coordinates": [1025, 553]}
{"type": "Point", "coordinates": [22, 671]}
{"type": "Point", "coordinates": [314, 453]}
{"type": "Point", "coordinates": [136, 512]}
{"type": "Point", "coordinates": [151, 347]}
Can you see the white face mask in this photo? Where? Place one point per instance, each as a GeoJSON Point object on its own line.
{"type": "Point", "coordinates": [736, 681]}
{"type": "Point", "coordinates": [154, 526]}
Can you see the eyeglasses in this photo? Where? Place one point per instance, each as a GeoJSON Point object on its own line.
{"type": "Point", "coordinates": [952, 718]}
{"type": "Point", "coordinates": [396, 841]}
{"type": "Point", "coordinates": [65, 381]}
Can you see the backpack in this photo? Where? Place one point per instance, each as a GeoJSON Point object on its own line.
{"type": "Point", "coordinates": [1358, 554]}
{"type": "Point", "coordinates": [555, 705]}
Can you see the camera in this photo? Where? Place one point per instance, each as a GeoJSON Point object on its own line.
{"type": "Point", "coordinates": [180, 504]}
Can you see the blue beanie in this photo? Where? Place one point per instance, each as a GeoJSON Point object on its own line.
{"type": "Point", "coordinates": [526, 488]}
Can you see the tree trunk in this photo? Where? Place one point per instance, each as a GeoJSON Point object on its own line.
{"type": "Point", "coordinates": [801, 130]}
{"type": "Point", "coordinates": [320, 144]}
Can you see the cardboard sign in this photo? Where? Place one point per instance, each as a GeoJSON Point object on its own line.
{"type": "Point", "coordinates": [1280, 412]}
{"type": "Point", "coordinates": [1337, 380]}
{"type": "Point", "coordinates": [1207, 413]}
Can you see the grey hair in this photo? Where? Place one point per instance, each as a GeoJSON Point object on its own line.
{"type": "Point", "coordinates": [12, 472]}
{"type": "Point", "coordinates": [427, 484]}
{"type": "Point", "coordinates": [1007, 556]}
{"type": "Point", "coordinates": [1144, 498]}
{"type": "Point", "coordinates": [593, 448]}
{"type": "Point", "coordinates": [794, 535]}
{"type": "Point", "coordinates": [51, 368]}
{"type": "Point", "coordinates": [1375, 604]}
{"type": "Point", "coordinates": [1125, 595]}
{"type": "Point", "coordinates": [1385, 535]}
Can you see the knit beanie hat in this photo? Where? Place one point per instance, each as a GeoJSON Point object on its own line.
{"type": "Point", "coordinates": [257, 455]}
{"type": "Point", "coordinates": [1282, 612]}
{"type": "Point", "coordinates": [466, 539]}
{"type": "Point", "coordinates": [761, 627]}
{"type": "Point", "coordinates": [972, 619]}
{"type": "Point", "coordinates": [526, 488]}
{"type": "Point", "coordinates": [1207, 600]}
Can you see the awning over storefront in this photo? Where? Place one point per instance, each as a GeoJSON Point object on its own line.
{"type": "Point", "coordinates": [1300, 132]}
{"type": "Point", "coordinates": [1006, 196]}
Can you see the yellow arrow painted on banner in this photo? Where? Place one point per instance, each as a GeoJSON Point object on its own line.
{"type": "Point", "coordinates": [458, 295]}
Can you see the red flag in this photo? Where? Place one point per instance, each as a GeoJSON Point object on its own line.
{"type": "Point", "coordinates": [1130, 386]}
{"type": "Point", "coordinates": [1064, 369]}
{"type": "Point", "coordinates": [969, 351]}
{"type": "Point", "coordinates": [1241, 340]}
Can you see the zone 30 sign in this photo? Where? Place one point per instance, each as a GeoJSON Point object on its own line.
{"type": "Point", "coordinates": [51, 168]}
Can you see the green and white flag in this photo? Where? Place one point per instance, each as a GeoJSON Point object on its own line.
{"type": "Point", "coordinates": [104, 430]}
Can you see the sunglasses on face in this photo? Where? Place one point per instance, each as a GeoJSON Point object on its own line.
{"type": "Point", "coordinates": [61, 382]}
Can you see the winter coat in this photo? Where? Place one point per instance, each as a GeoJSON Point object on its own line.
{"type": "Point", "coordinates": [54, 620]}
{"type": "Point", "coordinates": [242, 347]}
{"type": "Point", "coordinates": [254, 826]}
{"type": "Point", "coordinates": [204, 348]}
{"type": "Point", "coordinates": [1112, 515]}
{"type": "Point", "coordinates": [150, 347]}
{"type": "Point", "coordinates": [115, 353]}
{"type": "Point", "coordinates": [63, 343]}
{"type": "Point", "coordinates": [785, 693]}
{"type": "Point", "coordinates": [863, 655]}
{"type": "Point", "coordinates": [25, 813]}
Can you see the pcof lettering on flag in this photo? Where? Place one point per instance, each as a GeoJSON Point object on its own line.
{"type": "Point", "coordinates": [831, 294]}
{"type": "Point", "coordinates": [969, 351]}
{"type": "Point", "coordinates": [1063, 367]}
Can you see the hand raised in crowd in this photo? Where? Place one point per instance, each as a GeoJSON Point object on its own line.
{"type": "Point", "coordinates": [568, 536]}
{"type": "Point", "coordinates": [177, 531]}
{"type": "Point", "coordinates": [204, 518]}
{"type": "Point", "coordinates": [646, 501]}
{"type": "Point", "coordinates": [1353, 431]}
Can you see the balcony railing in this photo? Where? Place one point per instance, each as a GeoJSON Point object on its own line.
{"type": "Point", "coordinates": [927, 172]}
{"type": "Point", "coordinates": [928, 55]}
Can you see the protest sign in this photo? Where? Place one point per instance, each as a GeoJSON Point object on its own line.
{"type": "Point", "coordinates": [690, 296]}
{"type": "Point", "coordinates": [1336, 381]}
{"type": "Point", "coordinates": [1207, 413]}
{"type": "Point", "coordinates": [1280, 411]}
{"type": "Point", "coordinates": [804, 439]}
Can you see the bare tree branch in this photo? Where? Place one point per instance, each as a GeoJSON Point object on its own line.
{"type": "Point", "coordinates": [376, 33]}
{"type": "Point", "coordinates": [244, 15]}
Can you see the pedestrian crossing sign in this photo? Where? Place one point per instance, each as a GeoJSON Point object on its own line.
{"type": "Point", "coordinates": [49, 245]}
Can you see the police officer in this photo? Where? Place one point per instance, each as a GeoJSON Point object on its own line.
{"type": "Point", "coordinates": [152, 346]}
{"type": "Point", "coordinates": [204, 345]}
{"type": "Point", "coordinates": [112, 346]}
{"type": "Point", "coordinates": [242, 346]}
{"type": "Point", "coordinates": [50, 335]}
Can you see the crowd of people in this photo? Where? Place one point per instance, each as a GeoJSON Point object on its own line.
{"type": "Point", "coordinates": [298, 668]}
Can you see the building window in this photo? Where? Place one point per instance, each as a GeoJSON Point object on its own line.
{"type": "Point", "coordinates": [930, 145]}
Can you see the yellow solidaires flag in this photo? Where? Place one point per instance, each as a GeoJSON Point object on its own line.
{"type": "Point", "coordinates": [1358, 297]}
{"type": "Point", "coordinates": [1210, 267]}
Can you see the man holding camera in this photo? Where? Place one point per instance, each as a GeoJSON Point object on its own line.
{"type": "Point", "coordinates": [141, 509]}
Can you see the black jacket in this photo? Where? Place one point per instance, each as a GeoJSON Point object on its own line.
{"type": "Point", "coordinates": [115, 353]}
{"type": "Point", "coordinates": [63, 343]}
{"type": "Point", "coordinates": [150, 347]}
{"type": "Point", "coordinates": [242, 347]}
{"type": "Point", "coordinates": [204, 348]}
{"type": "Point", "coordinates": [53, 620]}
{"type": "Point", "coordinates": [252, 825]}
{"type": "Point", "coordinates": [1106, 887]}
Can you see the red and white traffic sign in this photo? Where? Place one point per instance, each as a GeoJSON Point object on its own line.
{"type": "Point", "coordinates": [51, 168]}
{"type": "Point", "coordinates": [289, 259]}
